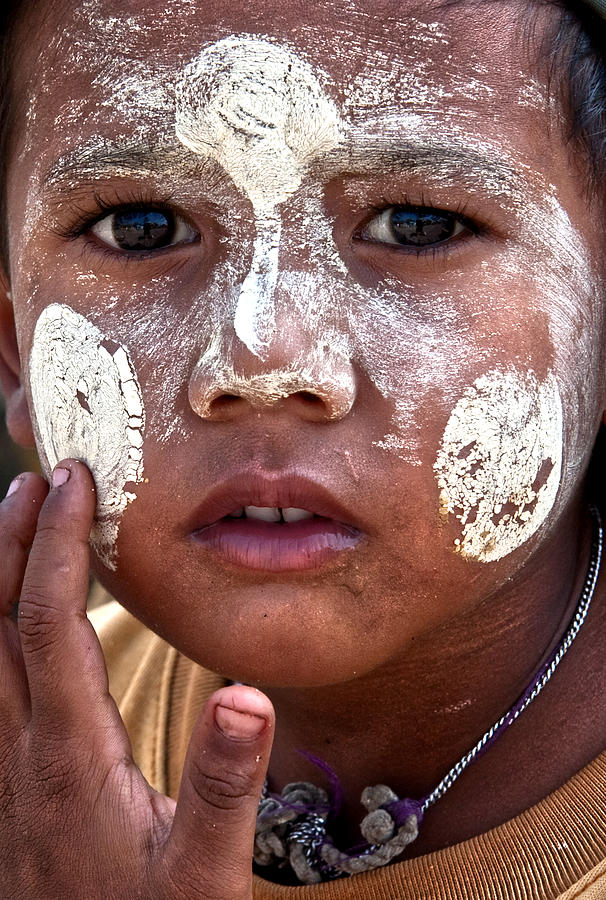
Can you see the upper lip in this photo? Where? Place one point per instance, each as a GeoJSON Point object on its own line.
{"type": "Point", "coordinates": [282, 490]}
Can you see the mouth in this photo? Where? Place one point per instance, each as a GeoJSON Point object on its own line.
{"type": "Point", "coordinates": [275, 524]}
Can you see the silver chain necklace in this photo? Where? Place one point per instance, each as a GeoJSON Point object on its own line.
{"type": "Point", "coordinates": [292, 827]}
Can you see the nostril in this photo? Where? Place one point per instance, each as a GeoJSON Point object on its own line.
{"type": "Point", "coordinates": [223, 403]}
{"type": "Point", "coordinates": [309, 398]}
{"type": "Point", "coordinates": [223, 398]}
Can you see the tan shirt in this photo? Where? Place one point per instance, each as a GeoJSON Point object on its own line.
{"type": "Point", "coordinates": [554, 851]}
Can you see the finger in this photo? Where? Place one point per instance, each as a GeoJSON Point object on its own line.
{"type": "Point", "coordinates": [18, 517]}
{"type": "Point", "coordinates": [210, 848]}
{"type": "Point", "coordinates": [65, 668]}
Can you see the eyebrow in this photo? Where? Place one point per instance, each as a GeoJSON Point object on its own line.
{"type": "Point", "coordinates": [105, 159]}
{"type": "Point", "coordinates": [365, 154]}
{"type": "Point", "coordinates": [437, 156]}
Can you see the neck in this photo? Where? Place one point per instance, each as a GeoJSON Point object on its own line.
{"type": "Point", "coordinates": [408, 722]}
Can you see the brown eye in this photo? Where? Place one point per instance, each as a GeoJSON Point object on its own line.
{"type": "Point", "coordinates": [140, 230]}
{"type": "Point", "coordinates": [412, 227]}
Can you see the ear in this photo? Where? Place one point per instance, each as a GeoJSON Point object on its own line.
{"type": "Point", "coordinates": [17, 413]}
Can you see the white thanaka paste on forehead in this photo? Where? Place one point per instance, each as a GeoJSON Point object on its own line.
{"type": "Point", "coordinates": [500, 461]}
{"type": "Point", "coordinates": [260, 111]}
{"type": "Point", "coordinates": [88, 405]}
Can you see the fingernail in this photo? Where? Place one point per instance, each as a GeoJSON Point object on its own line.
{"type": "Point", "coordinates": [60, 476]}
{"type": "Point", "coordinates": [14, 485]}
{"type": "Point", "coordinates": [238, 726]}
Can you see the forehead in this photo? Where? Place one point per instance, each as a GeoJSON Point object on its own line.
{"type": "Point", "coordinates": [111, 69]}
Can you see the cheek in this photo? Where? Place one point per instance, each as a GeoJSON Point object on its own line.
{"type": "Point", "coordinates": [88, 405]}
{"type": "Point", "coordinates": [414, 360]}
{"type": "Point", "coordinates": [500, 461]}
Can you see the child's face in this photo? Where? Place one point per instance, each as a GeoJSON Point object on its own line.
{"type": "Point", "coordinates": [434, 375]}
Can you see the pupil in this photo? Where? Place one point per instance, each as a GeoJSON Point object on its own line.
{"type": "Point", "coordinates": [421, 227]}
{"type": "Point", "coordinates": [142, 229]}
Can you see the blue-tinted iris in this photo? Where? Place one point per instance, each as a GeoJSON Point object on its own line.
{"type": "Point", "coordinates": [421, 227]}
{"type": "Point", "coordinates": [142, 229]}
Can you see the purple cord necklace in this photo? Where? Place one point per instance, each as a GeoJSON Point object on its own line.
{"type": "Point", "coordinates": [292, 826]}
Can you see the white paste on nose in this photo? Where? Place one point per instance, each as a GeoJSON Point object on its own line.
{"type": "Point", "coordinates": [258, 110]}
{"type": "Point", "coordinates": [88, 405]}
{"type": "Point", "coordinates": [500, 461]}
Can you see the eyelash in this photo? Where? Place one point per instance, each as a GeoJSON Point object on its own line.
{"type": "Point", "coordinates": [459, 212]}
{"type": "Point", "coordinates": [84, 219]}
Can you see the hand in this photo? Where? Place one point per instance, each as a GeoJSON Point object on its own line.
{"type": "Point", "coordinates": [77, 818]}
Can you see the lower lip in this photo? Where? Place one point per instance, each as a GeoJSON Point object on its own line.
{"type": "Point", "coordinates": [280, 547]}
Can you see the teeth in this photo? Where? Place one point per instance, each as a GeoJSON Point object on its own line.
{"type": "Point", "coordinates": [265, 513]}
{"type": "Point", "coordinates": [292, 514]}
{"type": "Point", "coordinates": [273, 513]}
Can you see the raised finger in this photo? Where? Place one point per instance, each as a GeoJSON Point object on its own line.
{"type": "Point", "coordinates": [65, 668]}
{"type": "Point", "coordinates": [210, 849]}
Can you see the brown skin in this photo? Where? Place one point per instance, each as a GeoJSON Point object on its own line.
{"type": "Point", "coordinates": [64, 746]}
{"type": "Point", "coordinates": [388, 678]}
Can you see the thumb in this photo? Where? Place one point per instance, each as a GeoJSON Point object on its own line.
{"type": "Point", "coordinates": [210, 848]}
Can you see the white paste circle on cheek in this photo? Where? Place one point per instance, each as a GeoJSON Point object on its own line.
{"type": "Point", "coordinates": [500, 461]}
{"type": "Point", "coordinates": [88, 405]}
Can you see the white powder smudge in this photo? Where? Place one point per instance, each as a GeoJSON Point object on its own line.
{"type": "Point", "coordinates": [88, 405]}
{"type": "Point", "coordinates": [332, 381]}
{"type": "Point", "coordinates": [260, 111]}
{"type": "Point", "coordinates": [533, 94]}
{"type": "Point", "coordinates": [500, 461]}
{"type": "Point", "coordinates": [413, 83]}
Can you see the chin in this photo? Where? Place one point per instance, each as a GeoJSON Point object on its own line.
{"type": "Point", "coordinates": [280, 635]}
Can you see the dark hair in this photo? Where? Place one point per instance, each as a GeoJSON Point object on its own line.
{"type": "Point", "coordinates": [577, 62]}
{"type": "Point", "coordinates": [574, 58]}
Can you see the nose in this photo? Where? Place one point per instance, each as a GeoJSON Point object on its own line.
{"type": "Point", "coordinates": [314, 381]}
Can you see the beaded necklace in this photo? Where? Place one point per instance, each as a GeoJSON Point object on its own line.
{"type": "Point", "coordinates": [291, 827]}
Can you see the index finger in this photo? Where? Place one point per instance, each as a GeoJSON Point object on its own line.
{"type": "Point", "coordinates": [65, 667]}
